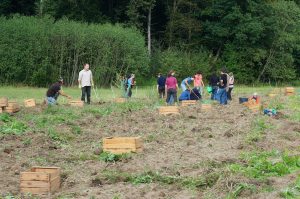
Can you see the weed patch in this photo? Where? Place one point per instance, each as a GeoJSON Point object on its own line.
{"type": "Point", "coordinates": [11, 126]}
{"type": "Point", "coordinates": [292, 191]}
{"type": "Point", "coordinates": [265, 164]}
{"type": "Point", "coordinates": [110, 157]}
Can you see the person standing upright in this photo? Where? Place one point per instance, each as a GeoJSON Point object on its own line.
{"type": "Point", "coordinates": [213, 82]}
{"type": "Point", "coordinates": [85, 82]}
{"type": "Point", "coordinates": [171, 88]}
{"type": "Point", "coordinates": [130, 83]}
{"type": "Point", "coordinates": [161, 81]}
{"type": "Point", "coordinates": [198, 82]}
{"type": "Point", "coordinates": [221, 93]}
{"type": "Point", "coordinates": [230, 85]}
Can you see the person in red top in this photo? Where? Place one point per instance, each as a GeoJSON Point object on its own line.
{"type": "Point", "coordinates": [171, 88]}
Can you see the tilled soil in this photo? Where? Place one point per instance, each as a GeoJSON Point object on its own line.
{"type": "Point", "coordinates": [183, 145]}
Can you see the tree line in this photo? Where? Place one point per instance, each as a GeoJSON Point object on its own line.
{"type": "Point", "coordinates": [255, 39]}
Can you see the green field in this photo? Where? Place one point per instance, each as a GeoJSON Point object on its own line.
{"type": "Point", "coordinates": [229, 152]}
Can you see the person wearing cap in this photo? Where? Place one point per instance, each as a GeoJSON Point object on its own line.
{"type": "Point", "coordinates": [85, 82]}
{"type": "Point", "coordinates": [185, 84]}
{"type": "Point", "coordinates": [54, 91]}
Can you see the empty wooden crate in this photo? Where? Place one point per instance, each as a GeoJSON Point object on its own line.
{"type": "Point", "coordinates": [120, 100]}
{"type": "Point", "coordinates": [165, 110]}
{"type": "Point", "coordinates": [40, 180]}
{"type": "Point", "coordinates": [289, 91]}
{"type": "Point", "coordinates": [206, 106]}
{"type": "Point", "coordinates": [3, 101]}
{"type": "Point", "coordinates": [76, 103]}
{"type": "Point", "coordinates": [119, 145]}
{"type": "Point", "coordinates": [12, 107]}
{"type": "Point", "coordinates": [29, 103]}
{"type": "Point", "coordinates": [254, 107]}
{"type": "Point", "coordinates": [188, 102]}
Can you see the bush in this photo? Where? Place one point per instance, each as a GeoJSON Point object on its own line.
{"type": "Point", "coordinates": [36, 51]}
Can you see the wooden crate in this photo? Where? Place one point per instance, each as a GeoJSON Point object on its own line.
{"type": "Point", "coordinates": [29, 103]}
{"type": "Point", "coordinates": [165, 110]}
{"type": "Point", "coordinates": [289, 91]}
{"type": "Point", "coordinates": [272, 95]}
{"type": "Point", "coordinates": [12, 107]}
{"type": "Point", "coordinates": [254, 107]}
{"type": "Point", "coordinates": [40, 180]}
{"type": "Point", "coordinates": [206, 107]}
{"type": "Point", "coordinates": [76, 103]}
{"type": "Point", "coordinates": [119, 145]}
{"type": "Point", "coordinates": [3, 101]}
{"type": "Point", "coordinates": [1, 109]}
{"type": "Point", "coordinates": [188, 102]}
{"type": "Point", "coordinates": [120, 100]}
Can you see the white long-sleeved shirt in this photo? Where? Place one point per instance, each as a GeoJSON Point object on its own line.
{"type": "Point", "coordinates": [85, 78]}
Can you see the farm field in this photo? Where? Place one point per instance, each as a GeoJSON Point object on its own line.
{"type": "Point", "coordinates": [228, 152]}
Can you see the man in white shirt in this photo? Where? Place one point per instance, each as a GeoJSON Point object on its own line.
{"type": "Point", "coordinates": [85, 81]}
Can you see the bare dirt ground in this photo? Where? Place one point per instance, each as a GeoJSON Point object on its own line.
{"type": "Point", "coordinates": [192, 144]}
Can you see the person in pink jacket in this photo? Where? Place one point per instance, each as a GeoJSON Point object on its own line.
{"type": "Point", "coordinates": [198, 82]}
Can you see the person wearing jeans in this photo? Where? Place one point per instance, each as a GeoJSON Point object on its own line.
{"type": "Point", "coordinates": [171, 88]}
{"type": "Point", "coordinates": [221, 93]}
{"type": "Point", "coordinates": [54, 91]}
{"type": "Point", "coordinates": [213, 82]}
{"type": "Point", "coordinates": [85, 82]}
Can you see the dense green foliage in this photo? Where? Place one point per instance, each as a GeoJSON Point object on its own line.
{"type": "Point", "coordinates": [255, 39]}
{"type": "Point", "coordinates": [37, 51]}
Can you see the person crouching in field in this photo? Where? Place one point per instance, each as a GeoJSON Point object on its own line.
{"type": "Point", "coordinates": [54, 91]}
{"type": "Point", "coordinates": [221, 93]}
{"type": "Point", "coordinates": [171, 88]}
{"type": "Point", "coordinates": [85, 82]}
{"type": "Point", "coordinates": [185, 84]}
{"type": "Point", "coordinates": [198, 82]}
{"type": "Point", "coordinates": [161, 82]}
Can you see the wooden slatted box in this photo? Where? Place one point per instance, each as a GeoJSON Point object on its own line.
{"type": "Point", "coordinates": [289, 91]}
{"type": "Point", "coordinates": [76, 103]}
{"type": "Point", "coordinates": [206, 107]}
{"type": "Point", "coordinates": [165, 110]}
{"type": "Point", "coordinates": [40, 180]}
{"type": "Point", "coordinates": [119, 145]}
{"type": "Point", "coordinates": [120, 100]}
{"type": "Point", "coordinates": [29, 103]}
{"type": "Point", "coordinates": [3, 101]}
{"type": "Point", "coordinates": [12, 107]}
{"type": "Point", "coordinates": [254, 107]}
{"type": "Point", "coordinates": [188, 102]}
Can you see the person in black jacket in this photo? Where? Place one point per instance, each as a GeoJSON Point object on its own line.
{"type": "Point", "coordinates": [213, 82]}
{"type": "Point", "coordinates": [221, 93]}
{"type": "Point", "coordinates": [161, 81]}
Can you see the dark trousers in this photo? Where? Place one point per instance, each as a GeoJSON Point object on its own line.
{"type": "Point", "coordinates": [214, 93]}
{"type": "Point", "coordinates": [86, 93]}
{"type": "Point", "coordinates": [161, 92]}
{"type": "Point", "coordinates": [171, 93]}
{"type": "Point", "coordinates": [229, 93]}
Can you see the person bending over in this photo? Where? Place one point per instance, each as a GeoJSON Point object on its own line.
{"type": "Point", "coordinates": [54, 91]}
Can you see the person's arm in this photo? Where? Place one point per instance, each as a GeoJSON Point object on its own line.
{"type": "Point", "coordinates": [202, 83]}
{"type": "Point", "coordinates": [79, 79]}
{"type": "Point", "coordinates": [63, 94]}
{"type": "Point", "coordinates": [92, 81]}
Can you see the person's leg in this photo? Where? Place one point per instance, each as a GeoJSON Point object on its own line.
{"type": "Point", "coordinates": [175, 96]}
{"type": "Point", "coordinates": [88, 94]}
{"type": "Point", "coordinates": [83, 94]}
{"type": "Point", "coordinates": [223, 97]}
{"type": "Point", "coordinates": [229, 94]}
{"type": "Point", "coordinates": [51, 101]}
{"type": "Point", "coordinates": [218, 95]}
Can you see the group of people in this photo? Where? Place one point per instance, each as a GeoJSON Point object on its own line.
{"type": "Point", "coordinates": [193, 87]}
{"type": "Point", "coordinates": [85, 83]}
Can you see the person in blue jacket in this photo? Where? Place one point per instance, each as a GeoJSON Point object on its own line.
{"type": "Point", "coordinates": [186, 83]}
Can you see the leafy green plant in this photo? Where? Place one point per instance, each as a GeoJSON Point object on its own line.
{"type": "Point", "coordinates": [293, 191]}
{"type": "Point", "coordinates": [239, 189]}
{"type": "Point", "coordinates": [13, 128]}
{"type": "Point", "coordinates": [110, 157]}
{"type": "Point", "coordinates": [260, 165]}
